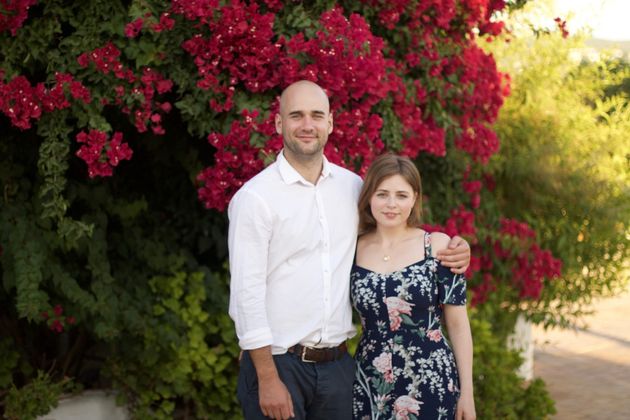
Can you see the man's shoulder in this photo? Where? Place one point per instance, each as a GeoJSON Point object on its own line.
{"type": "Point", "coordinates": [257, 185]}
{"type": "Point", "coordinates": [263, 179]}
{"type": "Point", "coordinates": [346, 174]}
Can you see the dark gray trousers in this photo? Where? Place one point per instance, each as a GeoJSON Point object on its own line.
{"type": "Point", "coordinates": [319, 391]}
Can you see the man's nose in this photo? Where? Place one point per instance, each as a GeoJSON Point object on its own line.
{"type": "Point", "coordinates": [307, 123]}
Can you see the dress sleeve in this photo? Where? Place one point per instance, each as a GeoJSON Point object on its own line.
{"type": "Point", "coordinates": [451, 286]}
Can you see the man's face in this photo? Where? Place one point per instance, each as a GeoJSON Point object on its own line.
{"type": "Point", "coordinates": [304, 121]}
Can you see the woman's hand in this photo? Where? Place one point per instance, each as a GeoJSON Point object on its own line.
{"type": "Point", "coordinates": [465, 408]}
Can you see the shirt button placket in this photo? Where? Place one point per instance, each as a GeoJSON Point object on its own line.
{"type": "Point", "coordinates": [325, 257]}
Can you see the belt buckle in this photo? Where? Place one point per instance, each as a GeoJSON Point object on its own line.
{"type": "Point", "coordinates": [303, 356]}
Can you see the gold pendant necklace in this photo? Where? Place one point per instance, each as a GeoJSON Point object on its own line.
{"type": "Point", "coordinates": [385, 257]}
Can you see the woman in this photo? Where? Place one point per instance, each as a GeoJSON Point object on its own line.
{"type": "Point", "coordinates": [405, 367]}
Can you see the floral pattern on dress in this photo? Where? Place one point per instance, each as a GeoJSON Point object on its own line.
{"type": "Point", "coordinates": [405, 366]}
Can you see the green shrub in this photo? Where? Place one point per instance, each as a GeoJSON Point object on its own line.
{"type": "Point", "coordinates": [499, 392]}
{"type": "Point", "coordinates": [36, 398]}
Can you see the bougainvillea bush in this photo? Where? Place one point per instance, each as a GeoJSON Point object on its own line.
{"type": "Point", "coordinates": [128, 125]}
{"type": "Point", "coordinates": [563, 164]}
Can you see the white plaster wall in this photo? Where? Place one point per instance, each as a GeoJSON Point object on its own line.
{"type": "Point", "coordinates": [89, 405]}
{"type": "Point", "coordinates": [522, 340]}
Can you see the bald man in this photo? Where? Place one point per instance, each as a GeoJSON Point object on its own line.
{"type": "Point", "coordinates": [292, 237]}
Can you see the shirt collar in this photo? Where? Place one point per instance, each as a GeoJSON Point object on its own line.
{"type": "Point", "coordinates": [290, 175]}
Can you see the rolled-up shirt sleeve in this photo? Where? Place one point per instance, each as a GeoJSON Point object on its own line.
{"type": "Point", "coordinates": [248, 243]}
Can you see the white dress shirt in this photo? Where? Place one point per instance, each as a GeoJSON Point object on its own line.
{"type": "Point", "coordinates": [291, 246]}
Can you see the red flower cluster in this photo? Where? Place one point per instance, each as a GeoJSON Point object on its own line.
{"type": "Point", "coordinates": [473, 189]}
{"type": "Point", "coordinates": [55, 97]}
{"type": "Point", "coordinates": [195, 9]}
{"type": "Point", "coordinates": [147, 109]}
{"type": "Point", "coordinates": [236, 161]}
{"type": "Point", "coordinates": [389, 11]}
{"type": "Point", "coordinates": [22, 102]}
{"type": "Point", "coordinates": [481, 92]}
{"type": "Point", "coordinates": [515, 248]}
{"type": "Point", "coordinates": [57, 322]}
{"type": "Point", "coordinates": [461, 222]}
{"type": "Point", "coordinates": [106, 60]}
{"type": "Point", "coordinates": [142, 89]}
{"type": "Point", "coordinates": [479, 141]}
{"type": "Point", "coordinates": [132, 29]}
{"type": "Point", "coordinates": [273, 5]}
{"type": "Point", "coordinates": [102, 154]}
{"type": "Point", "coordinates": [441, 14]}
{"type": "Point", "coordinates": [530, 264]}
{"type": "Point", "coordinates": [19, 102]}
{"type": "Point", "coordinates": [420, 131]}
{"type": "Point", "coordinates": [13, 13]}
{"type": "Point", "coordinates": [489, 182]}
{"type": "Point", "coordinates": [240, 49]}
{"type": "Point", "coordinates": [346, 59]}
{"type": "Point", "coordinates": [487, 10]}
{"type": "Point", "coordinates": [165, 23]}
{"type": "Point", "coordinates": [533, 266]}
{"type": "Point", "coordinates": [473, 101]}
{"type": "Point", "coordinates": [481, 292]}
{"type": "Point", "coordinates": [516, 229]}
{"type": "Point", "coordinates": [562, 25]}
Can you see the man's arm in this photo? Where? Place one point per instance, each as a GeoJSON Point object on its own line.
{"type": "Point", "coordinates": [456, 255]}
{"type": "Point", "coordinates": [275, 400]}
{"type": "Point", "coordinates": [248, 243]}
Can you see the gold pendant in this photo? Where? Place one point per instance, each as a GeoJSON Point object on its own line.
{"type": "Point", "coordinates": [385, 257]}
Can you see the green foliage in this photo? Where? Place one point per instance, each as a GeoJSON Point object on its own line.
{"type": "Point", "coordinates": [563, 166]}
{"type": "Point", "coordinates": [499, 392]}
{"type": "Point", "coordinates": [188, 350]}
{"type": "Point", "coordinates": [133, 282]}
{"type": "Point", "coordinates": [8, 362]}
{"type": "Point", "coordinates": [140, 266]}
{"type": "Point", "coordinates": [35, 399]}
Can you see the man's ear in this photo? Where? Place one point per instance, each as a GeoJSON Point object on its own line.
{"type": "Point", "coordinates": [330, 123]}
{"type": "Point", "coordinates": [278, 124]}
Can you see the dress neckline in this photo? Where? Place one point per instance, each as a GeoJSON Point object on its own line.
{"type": "Point", "coordinates": [419, 262]}
{"type": "Point", "coordinates": [427, 255]}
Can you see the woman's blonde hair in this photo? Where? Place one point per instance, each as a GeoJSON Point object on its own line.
{"type": "Point", "coordinates": [383, 167]}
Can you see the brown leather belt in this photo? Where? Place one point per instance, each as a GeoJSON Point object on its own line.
{"type": "Point", "coordinates": [315, 355]}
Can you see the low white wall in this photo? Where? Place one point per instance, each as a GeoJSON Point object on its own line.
{"type": "Point", "coordinates": [522, 340]}
{"type": "Point", "coordinates": [89, 405]}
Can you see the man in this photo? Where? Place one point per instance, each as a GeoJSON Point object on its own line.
{"type": "Point", "coordinates": [292, 236]}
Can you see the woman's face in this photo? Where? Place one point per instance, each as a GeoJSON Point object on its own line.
{"type": "Point", "coordinates": [392, 202]}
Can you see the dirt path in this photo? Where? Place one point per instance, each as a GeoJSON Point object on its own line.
{"type": "Point", "coordinates": [588, 371]}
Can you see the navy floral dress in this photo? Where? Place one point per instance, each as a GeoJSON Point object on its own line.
{"type": "Point", "coordinates": [405, 367]}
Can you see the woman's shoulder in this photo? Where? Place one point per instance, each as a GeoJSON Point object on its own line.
{"type": "Point", "coordinates": [364, 239]}
{"type": "Point", "coordinates": [439, 241]}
